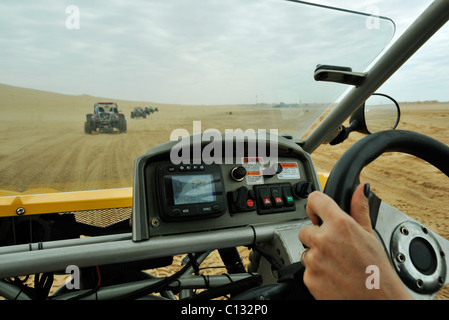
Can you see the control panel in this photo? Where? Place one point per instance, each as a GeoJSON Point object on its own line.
{"type": "Point", "coordinates": [180, 198]}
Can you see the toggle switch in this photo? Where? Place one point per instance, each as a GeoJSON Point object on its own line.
{"type": "Point", "coordinates": [302, 189]}
{"type": "Point", "coordinates": [238, 173]}
{"type": "Point", "coordinates": [242, 200]}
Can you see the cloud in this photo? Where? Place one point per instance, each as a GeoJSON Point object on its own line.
{"type": "Point", "coordinates": [176, 51]}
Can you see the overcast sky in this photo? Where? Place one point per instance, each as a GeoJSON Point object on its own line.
{"type": "Point", "coordinates": [225, 52]}
{"type": "Point", "coordinates": [425, 76]}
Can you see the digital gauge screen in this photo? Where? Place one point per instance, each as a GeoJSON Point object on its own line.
{"type": "Point", "coordinates": [189, 192]}
{"type": "Point", "coordinates": [190, 189]}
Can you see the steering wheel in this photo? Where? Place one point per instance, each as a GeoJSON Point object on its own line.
{"type": "Point", "coordinates": [419, 255]}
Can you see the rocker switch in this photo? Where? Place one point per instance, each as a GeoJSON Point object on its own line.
{"type": "Point", "coordinates": [264, 197]}
{"type": "Point", "coordinates": [276, 195]}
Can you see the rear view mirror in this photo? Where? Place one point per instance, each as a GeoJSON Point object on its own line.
{"type": "Point", "coordinates": [379, 112]}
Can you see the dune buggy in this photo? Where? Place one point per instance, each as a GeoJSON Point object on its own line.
{"type": "Point", "coordinates": [138, 112]}
{"type": "Point", "coordinates": [106, 118]}
{"type": "Point", "coordinates": [149, 109]}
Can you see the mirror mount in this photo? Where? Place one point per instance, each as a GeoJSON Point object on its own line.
{"type": "Point", "coordinates": [338, 74]}
{"type": "Point", "coordinates": [358, 122]}
{"type": "Point", "coordinates": [344, 132]}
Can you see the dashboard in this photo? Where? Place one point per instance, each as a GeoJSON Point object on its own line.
{"type": "Point", "coordinates": [200, 195]}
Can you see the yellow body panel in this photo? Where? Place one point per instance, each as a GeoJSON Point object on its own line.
{"type": "Point", "coordinates": [43, 201]}
{"type": "Point", "coordinates": [323, 176]}
{"type": "Point", "coordinates": [64, 201]}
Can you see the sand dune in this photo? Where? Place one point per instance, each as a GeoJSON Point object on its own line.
{"type": "Point", "coordinates": [44, 144]}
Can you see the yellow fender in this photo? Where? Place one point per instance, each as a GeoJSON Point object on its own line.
{"type": "Point", "coordinates": [43, 201]}
{"type": "Point", "coordinates": [323, 176]}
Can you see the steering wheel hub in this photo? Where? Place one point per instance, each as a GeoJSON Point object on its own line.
{"type": "Point", "coordinates": [418, 257]}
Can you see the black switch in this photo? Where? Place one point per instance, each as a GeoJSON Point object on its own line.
{"type": "Point", "coordinates": [303, 189]}
{"type": "Point", "coordinates": [264, 197]}
{"type": "Point", "coordinates": [276, 195]}
{"type": "Point", "coordinates": [238, 173]}
{"type": "Point", "coordinates": [242, 200]}
{"type": "Point", "coordinates": [287, 195]}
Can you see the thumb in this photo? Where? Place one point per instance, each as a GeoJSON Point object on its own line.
{"type": "Point", "coordinates": [360, 206]}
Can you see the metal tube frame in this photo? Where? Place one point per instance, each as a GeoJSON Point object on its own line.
{"type": "Point", "coordinates": [101, 253]}
{"type": "Point", "coordinates": [191, 282]}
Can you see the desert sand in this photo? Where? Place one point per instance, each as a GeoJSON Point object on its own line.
{"type": "Point", "coordinates": [43, 145]}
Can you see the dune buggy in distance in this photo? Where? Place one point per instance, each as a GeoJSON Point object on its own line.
{"type": "Point", "coordinates": [138, 112]}
{"type": "Point", "coordinates": [149, 110]}
{"type": "Point", "coordinates": [106, 118]}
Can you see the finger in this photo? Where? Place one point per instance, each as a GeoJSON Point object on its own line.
{"type": "Point", "coordinates": [306, 235]}
{"type": "Point", "coordinates": [320, 206]}
{"type": "Point", "coordinates": [360, 207]}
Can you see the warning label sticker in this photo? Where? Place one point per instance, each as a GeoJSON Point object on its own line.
{"type": "Point", "coordinates": [254, 167]}
{"type": "Point", "coordinates": [290, 170]}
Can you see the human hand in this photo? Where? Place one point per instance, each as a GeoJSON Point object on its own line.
{"type": "Point", "coordinates": [341, 249]}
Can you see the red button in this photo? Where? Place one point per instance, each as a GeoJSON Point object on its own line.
{"type": "Point", "coordinates": [250, 203]}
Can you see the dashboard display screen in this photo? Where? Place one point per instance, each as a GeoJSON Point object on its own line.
{"type": "Point", "coordinates": [191, 189]}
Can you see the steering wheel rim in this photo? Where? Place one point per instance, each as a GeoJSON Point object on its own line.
{"type": "Point", "coordinates": [345, 176]}
{"type": "Point", "coordinates": [415, 252]}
